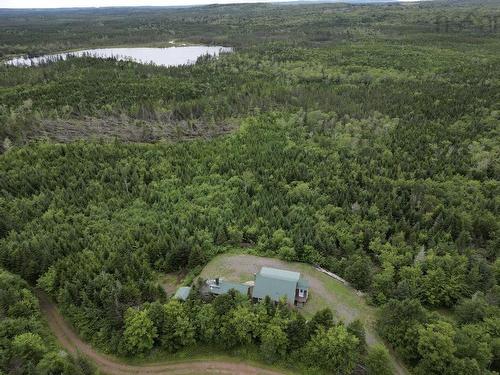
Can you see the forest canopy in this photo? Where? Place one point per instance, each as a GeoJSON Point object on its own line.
{"type": "Point", "coordinates": [366, 141]}
{"type": "Point", "coordinates": [26, 346]}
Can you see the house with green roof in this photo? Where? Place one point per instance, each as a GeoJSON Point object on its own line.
{"type": "Point", "coordinates": [272, 282]}
{"type": "Point", "coordinates": [277, 284]}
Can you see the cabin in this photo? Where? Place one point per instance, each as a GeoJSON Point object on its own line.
{"type": "Point", "coordinates": [277, 284]}
{"type": "Point", "coordinates": [272, 282]}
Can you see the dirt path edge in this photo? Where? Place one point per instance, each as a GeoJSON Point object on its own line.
{"type": "Point", "coordinates": [71, 342]}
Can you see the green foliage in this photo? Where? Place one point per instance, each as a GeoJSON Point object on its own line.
{"type": "Point", "coordinates": [435, 345]}
{"type": "Point", "coordinates": [323, 319]}
{"type": "Point", "coordinates": [26, 346]}
{"type": "Point", "coordinates": [167, 326]}
{"type": "Point", "coordinates": [274, 342]}
{"type": "Point", "coordinates": [206, 322]}
{"type": "Point", "coordinates": [280, 335]}
{"type": "Point", "coordinates": [108, 233]}
{"type": "Point", "coordinates": [55, 363]}
{"type": "Point", "coordinates": [399, 323]}
{"type": "Point", "coordinates": [358, 271]}
{"type": "Point", "coordinates": [472, 310]}
{"type": "Point", "coordinates": [240, 326]}
{"type": "Point", "coordinates": [139, 333]}
{"type": "Point", "coordinates": [378, 362]}
{"type": "Point", "coordinates": [444, 279]}
{"type": "Point", "coordinates": [177, 330]}
{"type": "Point", "coordinates": [357, 329]}
{"type": "Point", "coordinates": [297, 332]}
{"type": "Point", "coordinates": [333, 349]}
{"type": "Point", "coordinates": [474, 342]}
{"type": "Point", "coordinates": [367, 143]}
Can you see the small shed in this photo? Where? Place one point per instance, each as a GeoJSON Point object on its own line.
{"type": "Point", "coordinates": [302, 292]}
{"type": "Point", "coordinates": [182, 293]}
{"type": "Point", "coordinates": [303, 284]}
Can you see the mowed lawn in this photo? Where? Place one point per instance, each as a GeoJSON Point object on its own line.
{"type": "Point", "coordinates": [324, 291]}
{"type": "Point", "coordinates": [345, 302]}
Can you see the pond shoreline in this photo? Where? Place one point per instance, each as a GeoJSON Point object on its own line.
{"type": "Point", "coordinates": [174, 55]}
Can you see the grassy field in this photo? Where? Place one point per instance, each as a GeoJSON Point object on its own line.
{"type": "Point", "coordinates": [325, 291]}
{"type": "Point", "coordinates": [345, 302]}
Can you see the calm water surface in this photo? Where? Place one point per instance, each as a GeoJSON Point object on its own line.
{"type": "Point", "coordinates": [172, 56]}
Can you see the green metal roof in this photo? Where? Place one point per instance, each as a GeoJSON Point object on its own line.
{"type": "Point", "coordinates": [276, 284]}
{"type": "Point", "coordinates": [182, 293]}
{"type": "Point", "coordinates": [275, 273]}
{"type": "Point", "coordinates": [226, 286]}
{"type": "Point", "coordinates": [303, 284]}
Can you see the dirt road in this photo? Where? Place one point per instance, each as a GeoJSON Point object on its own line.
{"type": "Point", "coordinates": [70, 341]}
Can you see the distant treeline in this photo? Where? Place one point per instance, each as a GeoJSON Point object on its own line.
{"type": "Point", "coordinates": [33, 32]}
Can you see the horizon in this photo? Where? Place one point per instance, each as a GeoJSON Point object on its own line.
{"type": "Point", "coordinates": [77, 4]}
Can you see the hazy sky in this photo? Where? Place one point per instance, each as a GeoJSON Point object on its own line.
{"type": "Point", "coordinates": [107, 3]}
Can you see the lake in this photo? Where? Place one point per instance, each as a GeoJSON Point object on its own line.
{"type": "Point", "coordinates": [171, 56]}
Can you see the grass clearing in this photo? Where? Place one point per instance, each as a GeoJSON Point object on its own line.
{"type": "Point", "coordinates": [345, 302]}
{"type": "Point", "coordinates": [170, 282]}
{"type": "Point", "coordinates": [325, 291]}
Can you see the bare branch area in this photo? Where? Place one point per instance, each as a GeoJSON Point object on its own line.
{"type": "Point", "coordinates": [126, 130]}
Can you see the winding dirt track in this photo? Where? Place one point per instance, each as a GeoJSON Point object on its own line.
{"type": "Point", "coordinates": [70, 341]}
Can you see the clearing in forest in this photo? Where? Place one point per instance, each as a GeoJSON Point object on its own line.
{"type": "Point", "coordinates": [324, 291]}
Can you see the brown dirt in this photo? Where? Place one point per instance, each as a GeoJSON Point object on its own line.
{"type": "Point", "coordinates": [70, 341]}
{"type": "Point", "coordinates": [124, 129]}
{"type": "Point", "coordinates": [172, 281]}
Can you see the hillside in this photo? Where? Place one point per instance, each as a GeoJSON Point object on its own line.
{"type": "Point", "coordinates": [364, 138]}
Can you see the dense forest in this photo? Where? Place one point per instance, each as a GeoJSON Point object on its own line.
{"type": "Point", "coordinates": [367, 141]}
{"type": "Point", "coordinates": [26, 346]}
{"type": "Point", "coordinates": [231, 321]}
